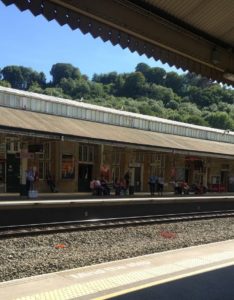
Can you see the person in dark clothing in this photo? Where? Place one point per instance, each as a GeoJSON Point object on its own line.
{"type": "Point", "coordinates": [160, 186]}
{"type": "Point", "coordinates": [29, 180]}
{"type": "Point", "coordinates": [50, 181]}
{"type": "Point", "coordinates": [117, 186]}
{"type": "Point", "coordinates": [105, 188]}
{"type": "Point", "coordinates": [152, 184]}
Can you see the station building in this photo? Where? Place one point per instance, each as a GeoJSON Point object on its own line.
{"type": "Point", "coordinates": [77, 142]}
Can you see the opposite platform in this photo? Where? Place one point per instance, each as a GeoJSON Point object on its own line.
{"type": "Point", "coordinates": [199, 272]}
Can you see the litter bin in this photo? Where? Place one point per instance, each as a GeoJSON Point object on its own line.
{"type": "Point", "coordinates": [131, 190]}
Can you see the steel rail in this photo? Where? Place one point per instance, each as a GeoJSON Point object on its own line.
{"type": "Point", "coordinates": [89, 224]}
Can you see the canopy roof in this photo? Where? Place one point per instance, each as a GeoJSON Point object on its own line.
{"type": "Point", "coordinates": [29, 123]}
{"type": "Point", "coordinates": [194, 35]}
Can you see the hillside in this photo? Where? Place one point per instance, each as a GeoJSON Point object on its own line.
{"type": "Point", "coordinates": [150, 91]}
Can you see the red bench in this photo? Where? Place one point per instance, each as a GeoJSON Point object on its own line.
{"type": "Point", "coordinates": [218, 188]}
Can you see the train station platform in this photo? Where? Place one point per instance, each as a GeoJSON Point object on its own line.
{"type": "Point", "coordinates": [89, 196]}
{"type": "Point", "coordinates": [200, 272]}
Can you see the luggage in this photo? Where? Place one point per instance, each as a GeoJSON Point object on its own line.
{"type": "Point", "coordinates": [32, 194]}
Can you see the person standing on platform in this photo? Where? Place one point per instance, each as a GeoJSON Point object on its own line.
{"type": "Point", "coordinates": [160, 185]}
{"type": "Point", "coordinates": [152, 184]}
{"type": "Point", "coordinates": [29, 180]}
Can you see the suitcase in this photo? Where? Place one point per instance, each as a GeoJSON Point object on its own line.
{"type": "Point", "coordinates": [33, 194]}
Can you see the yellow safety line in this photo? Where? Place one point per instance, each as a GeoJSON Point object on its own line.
{"type": "Point", "coordinates": [158, 282]}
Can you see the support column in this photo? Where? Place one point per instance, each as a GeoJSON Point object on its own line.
{"type": "Point", "coordinates": [23, 169]}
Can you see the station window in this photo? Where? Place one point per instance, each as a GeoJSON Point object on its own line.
{"type": "Point", "coordinates": [93, 115]}
{"type": "Point", "coordinates": [55, 108]}
{"type": "Point", "coordinates": [86, 153]}
{"type": "Point", "coordinates": [115, 173]}
{"type": "Point", "coordinates": [64, 110]}
{"type": "Point", "coordinates": [88, 114]}
{"type": "Point", "coordinates": [59, 109]}
{"type": "Point", "coordinates": [117, 120]}
{"type": "Point", "coordinates": [74, 112]}
{"type": "Point", "coordinates": [157, 165]}
{"type": "Point", "coordinates": [44, 161]}
{"type": "Point", "coordinates": [83, 113]}
{"type": "Point", "coordinates": [69, 111]}
{"type": "Point", "coordinates": [116, 157]}
{"type": "Point", "coordinates": [156, 171]}
{"type": "Point", "coordinates": [49, 108]}
{"type": "Point", "coordinates": [105, 118]}
{"type": "Point", "coordinates": [138, 157]}
{"type": "Point", "coordinates": [101, 116]}
{"type": "Point", "coordinates": [12, 100]}
{"type": "Point", "coordinates": [43, 106]}
{"type": "Point", "coordinates": [2, 99]}
{"type": "Point", "coordinates": [12, 145]}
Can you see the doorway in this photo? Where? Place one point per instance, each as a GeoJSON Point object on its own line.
{"type": "Point", "coordinates": [135, 178]}
{"type": "Point", "coordinates": [13, 173]}
{"type": "Point", "coordinates": [84, 177]}
{"type": "Point", "coordinates": [224, 181]}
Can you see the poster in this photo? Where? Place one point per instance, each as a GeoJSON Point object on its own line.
{"type": "Point", "coordinates": [105, 172]}
{"type": "Point", "coordinates": [68, 166]}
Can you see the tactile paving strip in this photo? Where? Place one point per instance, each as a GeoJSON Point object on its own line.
{"type": "Point", "coordinates": [91, 287]}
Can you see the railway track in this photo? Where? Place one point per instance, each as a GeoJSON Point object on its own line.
{"type": "Point", "coordinates": [56, 227]}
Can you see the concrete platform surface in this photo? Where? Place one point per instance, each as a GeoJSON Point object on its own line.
{"type": "Point", "coordinates": [200, 272]}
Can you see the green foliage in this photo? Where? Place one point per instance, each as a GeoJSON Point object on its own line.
{"type": "Point", "coordinates": [151, 91]}
{"type": "Point", "coordinates": [156, 75]}
{"type": "Point", "coordinates": [134, 85]}
{"type": "Point", "coordinates": [197, 120]}
{"type": "Point", "coordinates": [220, 120]}
{"type": "Point", "coordinates": [174, 81]}
{"type": "Point", "coordinates": [56, 92]}
{"type": "Point", "coordinates": [5, 83]}
{"type": "Point", "coordinates": [62, 70]}
{"type": "Point", "coordinates": [22, 78]}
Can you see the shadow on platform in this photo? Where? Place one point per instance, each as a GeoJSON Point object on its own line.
{"type": "Point", "coordinates": [212, 285]}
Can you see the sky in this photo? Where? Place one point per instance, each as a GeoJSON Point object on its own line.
{"type": "Point", "coordinates": [36, 43]}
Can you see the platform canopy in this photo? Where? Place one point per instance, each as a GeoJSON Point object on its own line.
{"type": "Point", "coordinates": [195, 35]}
{"type": "Point", "coordinates": [32, 124]}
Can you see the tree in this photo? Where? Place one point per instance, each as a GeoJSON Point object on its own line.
{"type": "Point", "coordinates": [145, 109]}
{"type": "Point", "coordinates": [22, 78]}
{"type": "Point", "coordinates": [196, 80]}
{"type": "Point", "coordinates": [96, 90]}
{"type": "Point", "coordinates": [196, 120]}
{"type": "Point", "coordinates": [173, 104]}
{"type": "Point", "coordinates": [134, 85]}
{"type": "Point", "coordinates": [156, 75]}
{"type": "Point", "coordinates": [105, 78]}
{"type": "Point", "coordinates": [5, 83]}
{"type": "Point", "coordinates": [36, 88]}
{"type": "Point", "coordinates": [63, 70]}
{"type": "Point", "coordinates": [69, 86]}
{"type": "Point", "coordinates": [13, 75]}
{"type": "Point", "coordinates": [143, 68]}
{"type": "Point", "coordinates": [159, 92]}
{"type": "Point", "coordinates": [174, 81]}
{"type": "Point", "coordinates": [220, 120]}
{"type": "Point", "coordinates": [82, 90]}
{"type": "Point", "coordinates": [56, 92]}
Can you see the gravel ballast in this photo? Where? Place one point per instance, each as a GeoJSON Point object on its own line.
{"type": "Point", "coordinates": [28, 256]}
